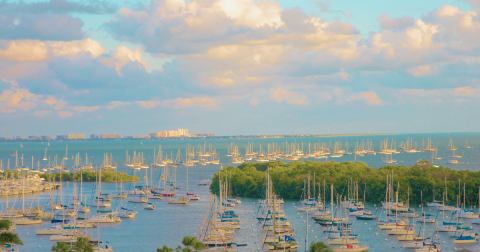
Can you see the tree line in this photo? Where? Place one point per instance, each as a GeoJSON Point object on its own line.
{"type": "Point", "coordinates": [416, 183]}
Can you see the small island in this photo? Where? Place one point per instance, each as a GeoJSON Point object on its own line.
{"type": "Point", "coordinates": [417, 184]}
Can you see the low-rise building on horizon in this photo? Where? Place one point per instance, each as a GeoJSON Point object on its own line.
{"type": "Point", "coordinates": [111, 135]}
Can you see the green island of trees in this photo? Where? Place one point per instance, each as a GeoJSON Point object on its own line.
{"type": "Point", "coordinates": [108, 175]}
{"type": "Point", "coordinates": [248, 180]}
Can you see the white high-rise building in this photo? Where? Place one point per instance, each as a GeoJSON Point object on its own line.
{"type": "Point", "coordinates": [183, 132]}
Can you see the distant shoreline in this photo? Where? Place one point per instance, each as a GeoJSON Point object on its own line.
{"type": "Point", "coordinates": [211, 137]}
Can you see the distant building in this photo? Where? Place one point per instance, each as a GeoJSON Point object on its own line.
{"type": "Point", "coordinates": [17, 137]}
{"type": "Point", "coordinates": [62, 137]}
{"type": "Point", "coordinates": [80, 136]}
{"type": "Point", "coordinates": [47, 138]}
{"type": "Point", "coordinates": [34, 138]}
{"type": "Point", "coordinates": [107, 136]}
{"type": "Point", "coordinates": [153, 134]}
{"type": "Point", "coordinates": [173, 133]}
{"type": "Point", "coordinates": [93, 136]}
{"type": "Point", "coordinates": [183, 132]}
{"type": "Point", "coordinates": [72, 136]}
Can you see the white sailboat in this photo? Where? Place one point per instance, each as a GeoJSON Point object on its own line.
{"type": "Point", "coordinates": [45, 157]}
{"type": "Point", "coordinates": [175, 199]}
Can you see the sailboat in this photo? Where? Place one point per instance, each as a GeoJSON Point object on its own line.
{"type": "Point", "coordinates": [24, 220]}
{"type": "Point", "coordinates": [66, 153]}
{"type": "Point", "coordinates": [466, 144]}
{"type": "Point", "coordinates": [110, 216]}
{"type": "Point", "coordinates": [190, 196]}
{"type": "Point", "coordinates": [137, 198]}
{"type": "Point", "coordinates": [45, 157]}
{"type": "Point", "coordinates": [124, 212]}
{"type": "Point", "coordinates": [174, 199]}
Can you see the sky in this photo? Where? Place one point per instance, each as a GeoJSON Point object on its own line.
{"type": "Point", "coordinates": [239, 67]}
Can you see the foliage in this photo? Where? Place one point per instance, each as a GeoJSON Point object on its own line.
{"type": "Point", "coordinates": [90, 176]}
{"type": "Point", "coordinates": [249, 180]}
{"type": "Point", "coordinates": [61, 247]}
{"type": "Point", "coordinates": [5, 224]}
{"type": "Point", "coordinates": [319, 247]}
{"type": "Point", "coordinates": [190, 244]}
{"type": "Point", "coordinates": [164, 249]}
{"type": "Point", "coordinates": [10, 238]}
{"type": "Point", "coordinates": [82, 245]}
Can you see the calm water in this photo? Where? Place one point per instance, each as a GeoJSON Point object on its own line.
{"type": "Point", "coordinates": [168, 224]}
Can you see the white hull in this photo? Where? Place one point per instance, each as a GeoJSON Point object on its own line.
{"type": "Point", "coordinates": [50, 231]}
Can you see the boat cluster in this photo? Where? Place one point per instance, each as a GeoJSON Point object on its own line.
{"type": "Point", "coordinates": [277, 233]}
{"type": "Point", "coordinates": [217, 229]}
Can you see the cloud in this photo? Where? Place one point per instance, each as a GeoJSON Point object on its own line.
{"type": "Point", "coordinates": [323, 5]}
{"type": "Point", "coordinates": [64, 114]}
{"type": "Point", "coordinates": [422, 71]}
{"type": "Point", "coordinates": [86, 108]}
{"type": "Point", "coordinates": [121, 56]}
{"type": "Point", "coordinates": [195, 101]}
{"type": "Point", "coordinates": [179, 103]}
{"type": "Point", "coordinates": [41, 113]}
{"type": "Point", "coordinates": [254, 101]}
{"type": "Point", "coordinates": [464, 91]}
{"type": "Point", "coordinates": [252, 13]}
{"type": "Point", "coordinates": [148, 104]}
{"type": "Point", "coordinates": [387, 23]}
{"type": "Point", "coordinates": [60, 104]}
{"type": "Point", "coordinates": [349, 14]}
{"type": "Point", "coordinates": [252, 79]}
{"type": "Point", "coordinates": [40, 27]}
{"type": "Point", "coordinates": [27, 50]}
{"type": "Point", "coordinates": [370, 98]}
{"type": "Point", "coordinates": [17, 98]}
{"type": "Point", "coordinates": [223, 82]}
{"type": "Point", "coordinates": [58, 7]}
{"type": "Point", "coordinates": [51, 100]}
{"type": "Point", "coordinates": [76, 47]}
{"type": "Point", "coordinates": [281, 95]}
{"type": "Point", "coordinates": [474, 3]}
{"type": "Point", "coordinates": [114, 104]}
{"type": "Point", "coordinates": [34, 50]}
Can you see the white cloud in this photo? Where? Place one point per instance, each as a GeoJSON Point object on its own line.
{"type": "Point", "coordinates": [121, 56]}
{"type": "Point", "coordinates": [281, 95]}
{"type": "Point", "coordinates": [114, 104]}
{"type": "Point", "coordinates": [254, 101]}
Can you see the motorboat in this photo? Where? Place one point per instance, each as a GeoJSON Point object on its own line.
{"type": "Point", "coordinates": [148, 206]}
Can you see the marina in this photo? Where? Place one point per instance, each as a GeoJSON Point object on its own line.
{"type": "Point", "coordinates": [187, 218]}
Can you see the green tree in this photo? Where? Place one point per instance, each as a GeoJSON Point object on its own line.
{"type": "Point", "coordinates": [82, 245]}
{"type": "Point", "coordinates": [191, 244]}
{"type": "Point", "coordinates": [10, 238]}
{"type": "Point", "coordinates": [5, 224]}
{"type": "Point", "coordinates": [164, 249]}
{"type": "Point", "coordinates": [319, 247]}
{"type": "Point", "coordinates": [61, 247]}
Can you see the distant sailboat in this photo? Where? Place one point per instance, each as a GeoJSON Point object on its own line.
{"type": "Point", "coordinates": [66, 153]}
{"type": "Point", "coordinates": [45, 157]}
{"type": "Point", "coordinates": [21, 146]}
{"type": "Point", "coordinates": [466, 144]}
